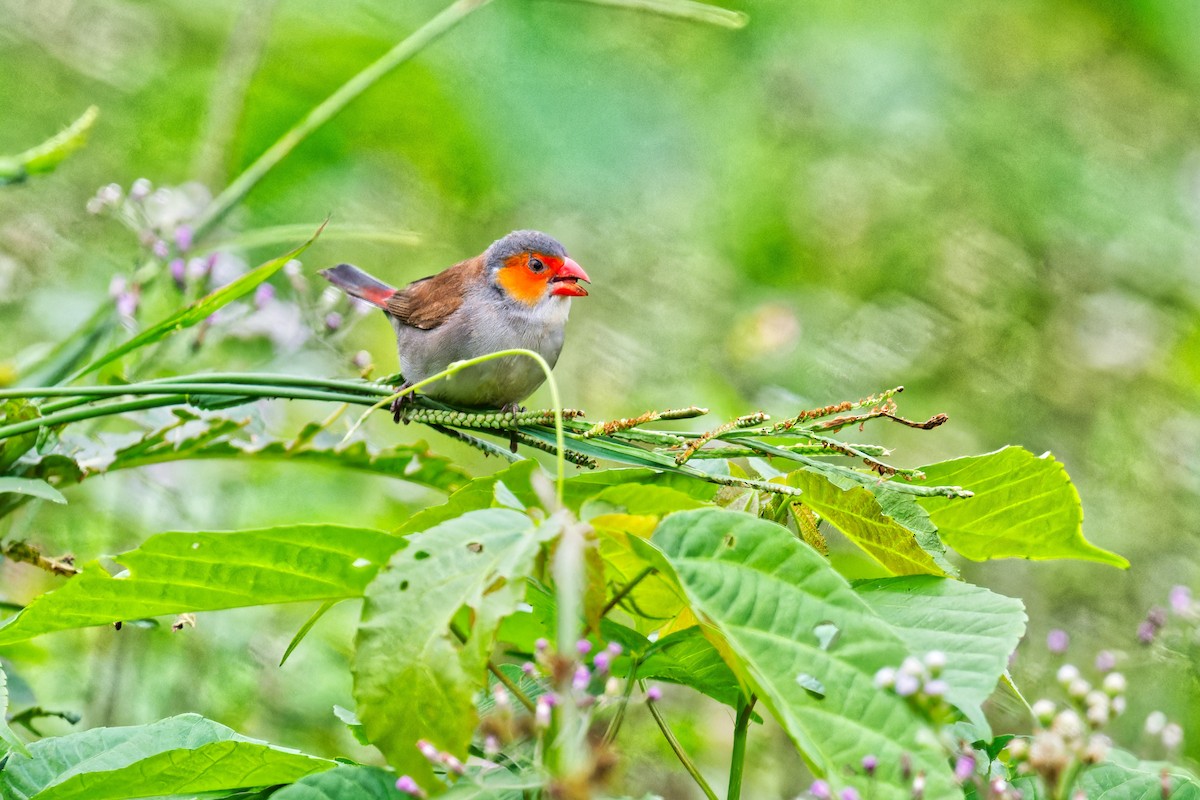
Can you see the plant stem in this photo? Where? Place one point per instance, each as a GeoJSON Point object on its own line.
{"type": "Point", "coordinates": [737, 761]}
{"type": "Point", "coordinates": [500, 676]}
{"type": "Point", "coordinates": [677, 748]}
{"type": "Point", "coordinates": [331, 107]}
{"type": "Point", "coordinates": [614, 726]}
{"type": "Point", "coordinates": [91, 412]}
{"type": "Point", "coordinates": [625, 590]}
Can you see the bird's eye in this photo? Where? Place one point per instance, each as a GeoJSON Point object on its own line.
{"type": "Point", "coordinates": [535, 264]}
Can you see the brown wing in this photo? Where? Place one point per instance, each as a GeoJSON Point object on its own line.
{"type": "Point", "coordinates": [429, 302]}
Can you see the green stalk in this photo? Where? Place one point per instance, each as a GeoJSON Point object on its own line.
{"type": "Point", "coordinates": [737, 761]}
{"type": "Point", "coordinates": [331, 107]}
{"type": "Point", "coordinates": [163, 395]}
{"type": "Point", "coordinates": [91, 412]}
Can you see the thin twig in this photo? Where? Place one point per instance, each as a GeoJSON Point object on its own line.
{"type": "Point", "coordinates": [625, 590]}
{"type": "Point", "coordinates": [677, 748]}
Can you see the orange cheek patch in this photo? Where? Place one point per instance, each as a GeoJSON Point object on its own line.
{"type": "Point", "coordinates": [516, 279]}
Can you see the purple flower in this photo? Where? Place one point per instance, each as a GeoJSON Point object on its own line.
{"type": "Point", "coordinates": [183, 238]}
{"type": "Point", "coordinates": [964, 767]}
{"type": "Point", "coordinates": [850, 793]}
{"type": "Point", "coordinates": [541, 645]}
{"type": "Point", "coordinates": [140, 189]}
{"type": "Point", "coordinates": [333, 321]}
{"type": "Point", "coordinates": [602, 661]}
{"type": "Point", "coordinates": [1105, 660]}
{"type": "Point", "coordinates": [582, 678]}
{"type": "Point", "coordinates": [654, 694]}
{"type": "Point", "coordinates": [263, 295]}
{"type": "Point", "coordinates": [936, 688]}
{"type": "Point", "coordinates": [583, 647]}
{"type": "Point", "coordinates": [178, 273]}
{"type": "Point", "coordinates": [615, 649]}
{"type": "Point", "coordinates": [159, 248]}
{"type": "Point", "coordinates": [529, 669]}
{"type": "Point", "coordinates": [407, 785]}
{"type": "Point", "coordinates": [127, 303]}
{"type": "Point", "coordinates": [869, 764]}
{"type": "Point", "coordinates": [1180, 599]}
{"type": "Point", "coordinates": [1057, 641]}
{"type": "Point", "coordinates": [428, 750]}
{"type": "Point", "coordinates": [820, 790]}
{"type": "Point", "coordinates": [1146, 632]}
{"type": "Point", "coordinates": [1156, 616]}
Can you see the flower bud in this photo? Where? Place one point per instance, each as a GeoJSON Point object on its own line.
{"type": "Point", "coordinates": [1114, 684]}
{"type": "Point", "coordinates": [1066, 674]}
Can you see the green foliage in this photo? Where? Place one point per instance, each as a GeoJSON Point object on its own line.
{"type": "Point", "coordinates": [1024, 506]}
{"type": "Point", "coordinates": [198, 311]}
{"type": "Point", "coordinates": [33, 487]}
{"type": "Point", "coordinates": [8, 739]}
{"type": "Point", "coordinates": [344, 782]}
{"type": "Point", "coordinates": [474, 563]}
{"type": "Point", "coordinates": [766, 593]}
{"type": "Point", "coordinates": [974, 628]}
{"type": "Point", "coordinates": [179, 572]}
{"type": "Point", "coordinates": [179, 755]}
{"type": "Point", "coordinates": [1124, 777]}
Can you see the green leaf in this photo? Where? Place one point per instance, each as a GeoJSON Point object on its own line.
{"type": "Point", "coordinates": [50, 153]}
{"type": "Point", "coordinates": [640, 499]}
{"type": "Point", "coordinates": [687, 658]}
{"type": "Point", "coordinates": [32, 487]}
{"type": "Point", "coordinates": [8, 738]}
{"type": "Point", "coordinates": [344, 782]}
{"type": "Point", "coordinates": [1024, 506]}
{"type": "Point", "coordinates": [178, 572]}
{"type": "Point", "coordinates": [976, 629]}
{"type": "Point", "coordinates": [178, 755]}
{"type": "Point", "coordinates": [1123, 777]}
{"type": "Point", "coordinates": [475, 562]}
{"type": "Point", "coordinates": [857, 514]}
{"type": "Point", "coordinates": [478, 494]}
{"type": "Point", "coordinates": [200, 310]}
{"type": "Point", "coordinates": [494, 784]}
{"type": "Point", "coordinates": [766, 593]}
{"type": "Point", "coordinates": [11, 412]}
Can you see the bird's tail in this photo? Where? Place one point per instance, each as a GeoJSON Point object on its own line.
{"type": "Point", "coordinates": [356, 283]}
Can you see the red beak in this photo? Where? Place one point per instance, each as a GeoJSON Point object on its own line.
{"type": "Point", "coordinates": [566, 279]}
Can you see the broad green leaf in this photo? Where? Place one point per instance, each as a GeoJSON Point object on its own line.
{"type": "Point", "coordinates": [413, 678]}
{"type": "Point", "coordinates": [638, 499]}
{"type": "Point", "coordinates": [687, 658]}
{"type": "Point", "coordinates": [8, 738]}
{"type": "Point", "coordinates": [32, 487]}
{"type": "Point", "coordinates": [50, 153]}
{"type": "Point", "coordinates": [178, 755]}
{"type": "Point", "coordinates": [200, 310]}
{"type": "Point", "coordinates": [857, 514]}
{"type": "Point", "coordinates": [1024, 506]}
{"type": "Point", "coordinates": [772, 598]}
{"type": "Point", "coordinates": [344, 782]}
{"type": "Point", "coordinates": [1123, 777]}
{"type": "Point", "coordinates": [976, 629]}
{"type": "Point", "coordinates": [178, 572]}
{"type": "Point", "coordinates": [477, 494]}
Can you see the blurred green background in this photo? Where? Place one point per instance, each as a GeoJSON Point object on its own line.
{"type": "Point", "coordinates": [996, 205]}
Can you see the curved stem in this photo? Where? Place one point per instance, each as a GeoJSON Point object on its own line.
{"type": "Point", "coordinates": [677, 748]}
{"type": "Point", "coordinates": [331, 107]}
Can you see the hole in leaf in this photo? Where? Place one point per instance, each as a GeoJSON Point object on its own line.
{"type": "Point", "coordinates": [811, 685]}
{"type": "Point", "coordinates": [403, 586]}
{"type": "Point", "coordinates": [826, 633]}
{"type": "Point", "coordinates": [475, 547]}
{"type": "Point", "coordinates": [420, 555]}
{"type": "Point", "coordinates": [729, 540]}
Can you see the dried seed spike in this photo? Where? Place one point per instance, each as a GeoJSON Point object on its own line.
{"type": "Point", "coordinates": [683, 413]}
{"type": "Point", "coordinates": [704, 438]}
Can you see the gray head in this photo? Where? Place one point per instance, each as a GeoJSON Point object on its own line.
{"type": "Point", "coordinates": [530, 266]}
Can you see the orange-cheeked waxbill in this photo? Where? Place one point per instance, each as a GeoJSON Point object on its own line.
{"type": "Point", "coordinates": [516, 294]}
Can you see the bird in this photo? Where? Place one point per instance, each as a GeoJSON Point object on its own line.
{"type": "Point", "coordinates": [515, 294]}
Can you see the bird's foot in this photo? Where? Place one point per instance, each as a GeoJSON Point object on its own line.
{"type": "Point", "coordinates": [403, 402]}
{"type": "Point", "coordinates": [512, 408]}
